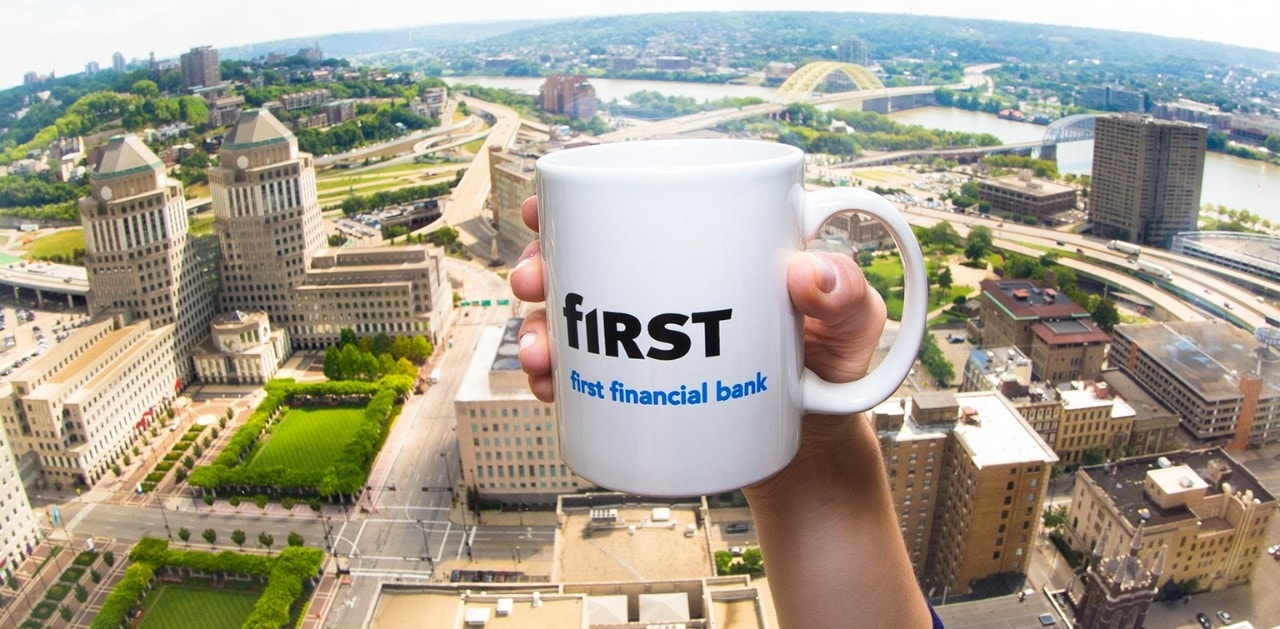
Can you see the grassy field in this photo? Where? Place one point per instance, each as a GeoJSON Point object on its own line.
{"type": "Point", "coordinates": [63, 242]}
{"type": "Point", "coordinates": [185, 607]}
{"type": "Point", "coordinates": [309, 438]}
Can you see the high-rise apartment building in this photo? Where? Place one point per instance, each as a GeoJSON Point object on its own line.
{"type": "Point", "coordinates": [20, 531]}
{"type": "Point", "coordinates": [1146, 178]}
{"type": "Point", "coordinates": [137, 251]}
{"type": "Point", "coordinates": [507, 439]}
{"type": "Point", "coordinates": [1206, 513]}
{"type": "Point", "coordinates": [200, 67]}
{"type": "Point", "coordinates": [968, 476]}
{"type": "Point", "coordinates": [572, 96]}
{"type": "Point", "coordinates": [1219, 379]}
{"type": "Point", "coordinates": [118, 63]}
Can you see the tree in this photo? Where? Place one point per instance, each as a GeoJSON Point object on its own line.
{"type": "Point", "coordinates": [109, 557]}
{"type": "Point", "coordinates": [753, 560]}
{"type": "Point", "coordinates": [65, 612]}
{"type": "Point", "coordinates": [1055, 517]}
{"type": "Point", "coordinates": [295, 539]}
{"type": "Point", "coordinates": [978, 242]}
{"type": "Point", "coordinates": [184, 534]}
{"type": "Point", "coordinates": [346, 336]}
{"type": "Point", "coordinates": [210, 536]}
{"type": "Point", "coordinates": [266, 539]}
{"type": "Point", "coordinates": [944, 279]}
{"type": "Point", "coordinates": [145, 88]}
{"type": "Point", "coordinates": [1105, 315]}
{"type": "Point", "coordinates": [81, 593]}
{"type": "Point", "coordinates": [238, 537]}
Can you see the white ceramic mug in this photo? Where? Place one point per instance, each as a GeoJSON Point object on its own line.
{"type": "Point", "coordinates": [678, 356]}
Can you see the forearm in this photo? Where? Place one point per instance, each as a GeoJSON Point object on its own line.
{"type": "Point", "coordinates": [830, 537]}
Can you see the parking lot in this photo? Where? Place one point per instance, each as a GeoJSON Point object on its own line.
{"type": "Point", "coordinates": [27, 332]}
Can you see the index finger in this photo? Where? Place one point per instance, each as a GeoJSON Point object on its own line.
{"type": "Point", "coordinates": [529, 212]}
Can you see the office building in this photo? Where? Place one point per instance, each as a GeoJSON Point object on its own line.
{"type": "Point", "coordinates": [967, 474]}
{"type": "Point", "coordinates": [1219, 379]}
{"type": "Point", "coordinates": [138, 254]}
{"type": "Point", "coordinates": [118, 63]}
{"type": "Point", "coordinates": [1022, 195]}
{"type": "Point", "coordinates": [397, 291]}
{"type": "Point", "coordinates": [242, 349]}
{"type": "Point", "coordinates": [79, 407]}
{"type": "Point", "coordinates": [266, 216]}
{"type": "Point", "coordinates": [1111, 98]}
{"type": "Point", "coordinates": [275, 258]}
{"type": "Point", "coordinates": [303, 100]}
{"type": "Point", "coordinates": [20, 531]}
{"type": "Point", "coordinates": [507, 439]}
{"type": "Point", "coordinates": [200, 67]}
{"type": "Point", "coordinates": [510, 183]}
{"type": "Point", "coordinates": [1063, 343]}
{"type": "Point", "coordinates": [1080, 420]}
{"type": "Point", "coordinates": [1154, 428]}
{"type": "Point", "coordinates": [435, 99]}
{"type": "Point", "coordinates": [1205, 512]}
{"type": "Point", "coordinates": [568, 95]}
{"type": "Point", "coordinates": [1146, 178]}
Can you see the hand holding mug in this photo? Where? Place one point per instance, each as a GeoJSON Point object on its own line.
{"type": "Point", "coordinates": [676, 350]}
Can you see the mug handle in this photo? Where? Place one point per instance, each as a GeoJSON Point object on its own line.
{"type": "Point", "coordinates": [860, 395]}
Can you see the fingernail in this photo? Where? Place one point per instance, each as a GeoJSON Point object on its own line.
{"type": "Point", "coordinates": [522, 262]}
{"type": "Point", "coordinates": [825, 274]}
{"type": "Point", "coordinates": [527, 339]}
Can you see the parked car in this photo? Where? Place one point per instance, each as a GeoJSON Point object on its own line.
{"type": "Point", "coordinates": [736, 551]}
{"type": "Point", "coordinates": [1204, 621]}
{"type": "Point", "coordinates": [1274, 549]}
{"type": "Point", "coordinates": [1224, 617]}
{"type": "Point", "coordinates": [1061, 244]}
{"type": "Point", "coordinates": [736, 527]}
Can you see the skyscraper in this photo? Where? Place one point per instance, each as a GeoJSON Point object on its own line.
{"type": "Point", "coordinates": [200, 67]}
{"type": "Point", "coordinates": [265, 214]}
{"type": "Point", "coordinates": [137, 250]}
{"type": "Point", "coordinates": [117, 62]}
{"type": "Point", "coordinates": [274, 255]}
{"type": "Point", "coordinates": [1146, 178]}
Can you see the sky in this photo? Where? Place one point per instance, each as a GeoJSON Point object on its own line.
{"type": "Point", "coordinates": [62, 36]}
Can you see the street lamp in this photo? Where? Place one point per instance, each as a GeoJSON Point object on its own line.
{"type": "Point", "coordinates": [165, 517]}
{"type": "Point", "coordinates": [448, 472]}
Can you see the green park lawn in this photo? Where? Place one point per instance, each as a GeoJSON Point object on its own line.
{"type": "Point", "coordinates": [309, 438]}
{"type": "Point", "coordinates": [187, 607]}
{"type": "Point", "coordinates": [60, 243]}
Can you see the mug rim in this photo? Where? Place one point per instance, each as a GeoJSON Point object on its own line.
{"type": "Point", "coordinates": [677, 156]}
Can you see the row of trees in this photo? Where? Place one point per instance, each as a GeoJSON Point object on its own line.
{"type": "Point", "coordinates": [239, 537]}
{"type": "Point", "coordinates": [345, 477]}
{"type": "Point", "coordinates": [382, 125]}
{"type": "Point", "coordinates": [285, 576]}
{"type": "Point", "coordinates": [808, 128]}
{"type": "Point", "coordinates": [341, 363]}
{"type": "Point", "coordinates": [359, 204]}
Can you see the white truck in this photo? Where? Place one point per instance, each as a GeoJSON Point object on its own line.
{"type": "Point", "coordinates": [1155, 270]}
{"type": "Point", "coordinates": [1124, 247]}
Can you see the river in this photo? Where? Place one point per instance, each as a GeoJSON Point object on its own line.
{"type": "Point", "coordinates": [1229, 181]}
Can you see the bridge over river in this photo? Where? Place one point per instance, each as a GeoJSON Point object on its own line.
{"type": "Point", "coordinates": [799, 89]}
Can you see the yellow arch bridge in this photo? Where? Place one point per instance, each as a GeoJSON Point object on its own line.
{"type": "Point", "coordinates": [802, 81]}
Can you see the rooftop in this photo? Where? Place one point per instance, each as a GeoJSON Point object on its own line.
{"type": "Point", "coordinates": [1122, 482]}
{"type": "Point", "coordinates": [1206, 356]}
{"type": "Point", "coordinates": [494, 371]}
{"type": "Point", "coordinates": [1144, 406]}
{"type": "Point", "coordinates": [998, 435]}
{"type": "Point", "coordinates": [126, 154]}
{"type": "Point", "coordinates": [1025, 299]}
{"type": "Point", "coordinates": [1069, 331]}
{"type": "Point", "coordinates": [256, 127]}
{"type": "Point", "coordinates": [1034, 186]}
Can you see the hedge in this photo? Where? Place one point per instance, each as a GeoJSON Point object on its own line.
{"type": "Point", "coordinates": [347, 473]}
{"type": "Point", "coordinates": [285, 575]}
